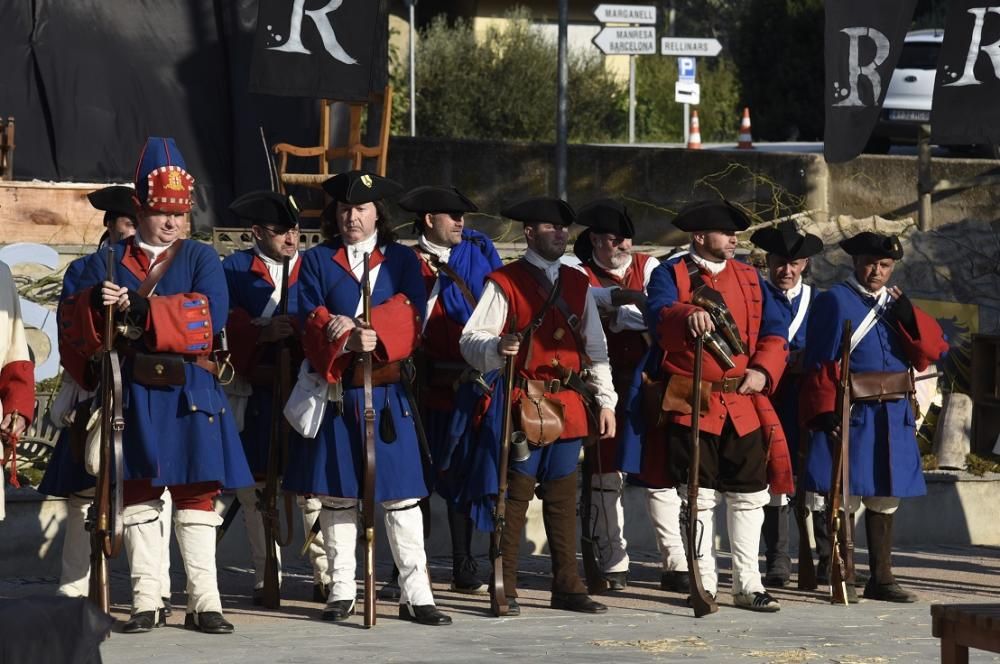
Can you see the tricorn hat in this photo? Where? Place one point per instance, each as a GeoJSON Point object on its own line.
{"type": "Point", "coordinates": [436, 199]}
{"type": "Point", "coordinates": [715, 215]}
{"type": "Point", "coordinates": [117, 200]}
{"type": "Point", "coordinates": [601, 216]}
{"type": "Point", "coordinates": [267, 208]}
{"type": "Point", "coordinates": [867, 243]}
{"type": "Point", "coordinates": [541, 209]}
{"type": "Point", "coordinates": [784, 240]}
{"type": "Point", "coordinates": [357, 187]}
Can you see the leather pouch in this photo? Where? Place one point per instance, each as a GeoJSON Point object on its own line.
{"type": "Point", "coordinates": [880, 385]}
{"type": "Point", "coordinates": [158, 370]}
{"type": "Point", "coordinates": [677, 398]}
{"type": "Point", "coordinates": [541, 417]}
{"type": "Point", "coordinates": [652, 392]}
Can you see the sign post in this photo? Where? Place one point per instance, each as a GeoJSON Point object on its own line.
{"type": "Point", "coordinates": [686, 68]}
{"type": "Point", "coordinates": [687, 91]}
{"type": "Point", "coordinates": [627, 40]}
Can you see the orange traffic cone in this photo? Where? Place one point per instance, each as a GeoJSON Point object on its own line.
{"type": "Point", "coordinates": [746, 139]}
{"type": "Point", "coordinates": [694, 137]}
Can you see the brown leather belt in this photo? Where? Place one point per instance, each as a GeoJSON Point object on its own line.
{"type": "Point", "coordinates": [727, 385]}
{"type": "Point", "coordinates": [205, 363]}
{"type": "Point", "coordinates": [382, 374]}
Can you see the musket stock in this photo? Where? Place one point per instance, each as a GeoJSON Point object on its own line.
{"type": "Point", "coordinates": [498, 595]}
{"type": "Point", "coordinates": [702, 603]}
{"type": "Point", "coordinates": [368, 463]}
{"type": "Point", "coordinates": [807, 569]}
{"type": "Point", "coordinates": [842, 545]}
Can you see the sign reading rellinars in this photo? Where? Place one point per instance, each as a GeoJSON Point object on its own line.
{"type": "Point", "coordinates": [636, 14]}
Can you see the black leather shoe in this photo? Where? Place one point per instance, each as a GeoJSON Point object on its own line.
{"type": "Point", "coordinates": [616, 580]}
{"type": "Point", "coordinates": [465, 579]}
{"type": "Point", "coordinates": [675, 582]}
{"type": "Point", "coordinates": [426, 614]}
{"type": "Point", "coordinates": [339, 610]}
{"type": "Point", "coordinates": [144, 621]}
{"type": "Point", "coordinates": [209, 622]}
{"type": "Point", "coordinates": [579, 602]}
{"type": "Point", "coordinates": [513, 608]}
{"type": "Point", "coordinates": [320, 592]}
{"type": "Point", "coordinates": [888, 592]}
{"type": "Point", "coordinates": [167, 611]}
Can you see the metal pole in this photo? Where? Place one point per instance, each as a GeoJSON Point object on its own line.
{"type": "Point", "coordinates": [687, 123]}
{"type": "Point", "coordinates": [562, 80]}
{"type": "Point", "coordinates": [631, 99]}
{"type": "Point", "coordinates": [925, 183]}
{"type": "Point", "coordinates": [413, 77]}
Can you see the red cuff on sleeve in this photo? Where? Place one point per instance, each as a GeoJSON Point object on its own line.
{"type": "Point", "coordinates": [671, 330]}
{"type": "Point", "coordinates": [929, 344]}
{"type": "Point", "coordinates": [79, 325]}
{"type": "Point", "coordinates": [818, 392]}
{"type": "Point", "coordinates": [17, 388]}
{"type": "Point", "coordinates": [180, 324]}
{"type": "Point", "coordinates": [325, 356]}
{"type": "Point", "coordinates": [397, 323]}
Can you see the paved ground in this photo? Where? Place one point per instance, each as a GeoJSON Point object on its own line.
{"type": "Point", "coordinates": [642, 625]}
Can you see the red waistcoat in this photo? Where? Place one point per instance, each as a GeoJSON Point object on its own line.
{"type": "Point", "coordinates": [553, 345]}
{"type": "Point", "coordinates": [625, 348]}
{"type": "Point", "coordinates": [441, 334]}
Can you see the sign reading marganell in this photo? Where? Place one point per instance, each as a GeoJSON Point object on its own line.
{"type": "Point", "coordinates": [636, 14]}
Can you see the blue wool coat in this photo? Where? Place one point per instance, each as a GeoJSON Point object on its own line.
{"type": "Point", "coordinates": [174, 435]}
{"type": "Point", "coordinates": [884, 458]}
{"type": "Point", "coordinates": [250, 290]}
{"type": "Point", "coordinates": [331, 463]}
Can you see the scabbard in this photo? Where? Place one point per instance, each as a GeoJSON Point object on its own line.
{"type": "Point", "coordinates": [418, 422]}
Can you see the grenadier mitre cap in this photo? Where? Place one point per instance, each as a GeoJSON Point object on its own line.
{"type": "Point", "coordinates": [868, 243]}
{"type": "Point", "coordinates": [162, 183]}
{"type": "Point", "coordinates": [541, 209]}
{"type": "Point", "coordinates": [267, 208]}
{"type": "Point", "coordinates": [715, 215]}
{"type": "Point", "coordinates": [118, 200]}
{"type": "Point", "coordinates": [436, 200]}
{"type": "Point", "coordinates": [785, 240]}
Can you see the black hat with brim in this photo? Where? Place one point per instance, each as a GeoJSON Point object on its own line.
{"type": "Point", "coordinates": [541, 210]}
{"type": "Point", "coordinates": [867, 243]}
{"type": "Point", "coordinates": [784, 240]}
{"type": "Point", "coordinates": [711, 216]}
{"type": "Point", "coordinates": [606, 216]}
{"type": "Point", "coordinates": [118, 200]}
{"type": "Point", "coordinates": [359, 187]}
{"type": "Point", "coordinates": [436, 199]}
{"type": "Point", "coordinates": [267, 208]}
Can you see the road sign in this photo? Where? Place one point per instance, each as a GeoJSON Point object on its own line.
{"type": "Point", "coordinates": [687, 93]}
{"type": "Point", "coordinates": [626, 41]}
{"type": "Point", "coordinates": [639, 14]}
{"type": "Point", "coordinates": [686, 69]}
{"type": "Point", "coordinates": [697, 47]}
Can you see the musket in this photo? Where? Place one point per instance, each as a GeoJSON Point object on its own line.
{"type": "Point", "coordinates": [368, 462]}
{"type": "Point", "coordinates": [104, 519]}
{"type": "Point", "coordinates": [498, 596]}
{"type": "Point", "coordinates": [702, 603]}
{"type": "Point", "coordinates": [807, 569]}
{"type": "Point", "coordinates": [275, 461]}
{"type": "Point", "coordinates": [589, 545]}
{"type": "Point", "coordinates": [842, 548]}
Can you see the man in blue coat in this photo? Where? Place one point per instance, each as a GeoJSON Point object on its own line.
{"type": "Point", "coordinates": [788, 253]}
{"type": "Point", "coordinates": [329, 466]}
{"type": "Point", "coordinates": [891, 337]}
{"type": "Point", "coordinates": [169, 298]}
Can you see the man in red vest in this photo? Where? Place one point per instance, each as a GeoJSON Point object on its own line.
{"type": "Point", "coordinates": [734, 442]}
{"type": "Point", "coordinates": [554, 339]}
{"type": "Point", "coordinates": [618, 279]}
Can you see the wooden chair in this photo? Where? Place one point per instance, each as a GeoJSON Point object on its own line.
{"type": "Point", "coordinates": [7, 149]}
{"type": "Point", "coordinates": [355, 150]}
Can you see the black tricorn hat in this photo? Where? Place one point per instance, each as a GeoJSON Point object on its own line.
{"type": "Point", "coordinates": [541, 209]}
{"type": "Point", "coordinates": [606, 216]}
{"type": "Point", "coordinates": [117, 199]}
{"type": "Point", "coordinates": [784, 240]}
{"type": "Point", "coordinates": [715, 215]}
{"type": "Point", "coordinates": [867, 243]}
{"type": "Point", "coordinates": [436, 199]}
{"type": "Point", "coordinates": [266, 208]}
{"type": "Point", "coordinates": [357, 187]}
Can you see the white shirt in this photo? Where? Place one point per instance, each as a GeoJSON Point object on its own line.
{"type": "Point", "coordinates": [628, 317]}
{"type": "Point", "coordinates": [482, 333]}
{"type": "Point", "coordinates": [794, 291]}
{"type": "Point", "coordinates": [274, 268]}
{"type": "Point", "coordinates": [853, 282]}
{"type": "Point", "coordinates": [713, 267]}
{"type": "Point", "coordinates": [152, 251]}
{"type": "Point", "coordinates": [443, 254]}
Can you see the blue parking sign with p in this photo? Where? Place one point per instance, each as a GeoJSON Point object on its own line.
{"type": "Point", "coordinates": [685, 69]}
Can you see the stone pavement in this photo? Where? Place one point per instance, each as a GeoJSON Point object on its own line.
{"type": "Point", "coordinates": [643, 624]}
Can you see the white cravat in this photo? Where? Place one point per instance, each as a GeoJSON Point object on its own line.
{"type": "Point", "coordinates": [356, 254]}
{"type": "Point", "coordinates": [713, 267]}
{"type": "Point", "coordinates": [550, 268]}
{"type": "Point", "coordinates": [274, 268]}
{"type": "Point", "coordinates": [152, 251]}
{"type": "Point", "coordinates": [794, 291]}
{"type": "Point", "coordinates": [853, 282]}
{"type": "Point", "coordinates": [436, 250]}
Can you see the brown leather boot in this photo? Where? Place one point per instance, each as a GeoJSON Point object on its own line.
{"type": "Point", "coordinates": [882, 584]}
{"type": "Point", "coordinates": [520, 490]}
{"type": "Point", "coordinates": [559, 514]}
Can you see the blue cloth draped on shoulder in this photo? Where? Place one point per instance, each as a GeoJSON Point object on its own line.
{"type": "Point", "coordinates": [472, 260]}
{"type": "Point", "coordinates": [633, 436]}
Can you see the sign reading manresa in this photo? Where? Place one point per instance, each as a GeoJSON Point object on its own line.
{"type": "Point", "coordinates": [626, 41]}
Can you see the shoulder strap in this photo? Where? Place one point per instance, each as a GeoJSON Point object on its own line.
{"type": "Point", "coordinates": [552, 299]}
{"type": "Point", "coordinates": [451, 274]}
{"type": "Point", "coordinates": [158, 269]}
